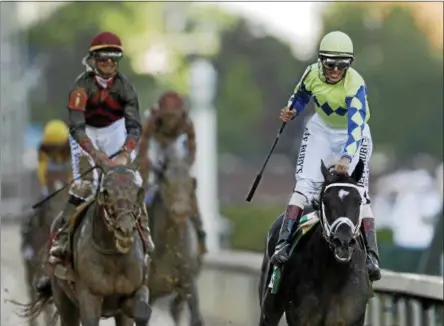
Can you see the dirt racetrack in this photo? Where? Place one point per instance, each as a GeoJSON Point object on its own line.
{"type": "Point", "coordinates": [12, 283]}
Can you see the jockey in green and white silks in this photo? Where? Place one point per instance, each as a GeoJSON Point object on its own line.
{"type": "Point", "coordinates": [337, 133]}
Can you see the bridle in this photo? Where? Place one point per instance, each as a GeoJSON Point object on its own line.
{"type": "Point", "coordinates": [111, 223]}
{"type": "Point", "coordinates": [328, 229]}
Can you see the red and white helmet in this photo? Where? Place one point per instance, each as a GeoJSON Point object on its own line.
{"type": "Point", "coordinates": [171, 100]}
{"type": "Point", "coordinates": [106, 40]}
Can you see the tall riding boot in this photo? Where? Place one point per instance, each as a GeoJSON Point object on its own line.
{"type": "Point", "coordinates": [374, 272]}
{"type": "Point", "coordinates": [196, 218]}
{"type": "Point", "coordinates": [290, 222]}
{"type": "Point", "coordinates": [58, 250]}
{"type": "Point", "coordinates": [146, 231]}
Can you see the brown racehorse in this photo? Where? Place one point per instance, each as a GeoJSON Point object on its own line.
{"type": "Point", "coordinates": [109, 263]}
{"type": "Point", "coordinates": [35, 233]}
{"type": "Point", "coordinates": [176, 261]}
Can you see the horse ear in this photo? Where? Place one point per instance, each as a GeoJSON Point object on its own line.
{"type": "Point", "coordinates": [358, 171]}
{"type": "Point", "coordinates": [325, 172]}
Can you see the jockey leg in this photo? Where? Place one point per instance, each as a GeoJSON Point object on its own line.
{"type": "Point", "coordinates": [196, 218]}
{"type": "Point", "coordinates": [59, 247]}
{"type": "Point", "coordinates": [368, 220]}
{"type": "Point", "coordinates": [290, 222]}
{"type": "Point", "coordinates": [58, 251]}
{"type": "Point", "coordinates": [79, 192]}
{"type": "Point", "coordinates": [314, 148]}
{"type": "Point", "coordinates": [369, 231]}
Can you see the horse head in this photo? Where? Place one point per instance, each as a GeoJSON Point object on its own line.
{"type": "Point", "coordinates": [119, 199]}
{"type": "Point", "coordinates": [340, 211]}
{"type": "Point", "coordinates": [176, 186]}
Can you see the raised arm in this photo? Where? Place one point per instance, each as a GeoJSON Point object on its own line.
{"type": "Point", "coordinates": [356, 117]}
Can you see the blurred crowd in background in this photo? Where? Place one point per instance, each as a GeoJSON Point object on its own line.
{"type": "Point", "coordinates": [398, 50]}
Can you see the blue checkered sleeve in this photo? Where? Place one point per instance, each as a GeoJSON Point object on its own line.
{"type": "Point", "coordinates": [356, 117]}
{"type": "Point", "coordinates": [299, 101]}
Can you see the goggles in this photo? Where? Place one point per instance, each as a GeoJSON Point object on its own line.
{"type": "Point", "coordinates": [105, 56]}
{"type": "Point", "coordinates": [331, 63]}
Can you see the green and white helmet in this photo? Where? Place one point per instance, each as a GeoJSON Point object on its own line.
{"type": "Point", "coordinates": [336, 45]}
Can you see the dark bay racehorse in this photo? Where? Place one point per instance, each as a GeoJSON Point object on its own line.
{"type": "Point", "coordinates": [109, 272]}
{"type": "Point", "coordinates": [35, 232]}
{"type": "Point", "coordinates": [325, 281]}
{"type": "Point", "coordinates": [175, 262]}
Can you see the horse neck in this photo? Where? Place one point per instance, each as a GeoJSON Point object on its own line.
{"type": "Point", "coordinates": [165, 229]}
{"type": "Point", "coordinates": [101, 236]}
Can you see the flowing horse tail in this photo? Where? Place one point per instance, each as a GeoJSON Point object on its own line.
{"type": "Point", "coordinates": [32, 310]}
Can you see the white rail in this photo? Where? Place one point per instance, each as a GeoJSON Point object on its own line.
{"type": "Point", "coordinates": [229, 292]}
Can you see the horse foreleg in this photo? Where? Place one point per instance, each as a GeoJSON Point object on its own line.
{"type": "Point", "coordinates": [138, 306]}
{"type": "Point", "coordinates": [193, 304]}
{"type": "Point", "coordinates": [90, 305]}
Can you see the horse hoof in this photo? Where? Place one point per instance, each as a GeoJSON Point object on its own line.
{"type": "Point", "coordinates": [142, 313]}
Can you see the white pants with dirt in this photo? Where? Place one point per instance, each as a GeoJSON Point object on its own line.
{"type": "Point", "coordinates": [321, 142]}
{"type": "Point", "coordinates": [108, 139]}
{"type": "Point", "coordinates": [158, 153]}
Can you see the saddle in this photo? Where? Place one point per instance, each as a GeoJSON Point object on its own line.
{"type": "Point", "coordinates": [306, 223]}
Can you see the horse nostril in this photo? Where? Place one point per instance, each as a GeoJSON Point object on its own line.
{"type": "Point", "coordinates": [352, 242]}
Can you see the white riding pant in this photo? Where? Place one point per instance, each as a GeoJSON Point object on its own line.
{"type": "Point", "coordinates": [321, 142]}
{"type": "Point", "coordinates": [108, 140]}
{"type": "Point", "coordinates": [158, 153]}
